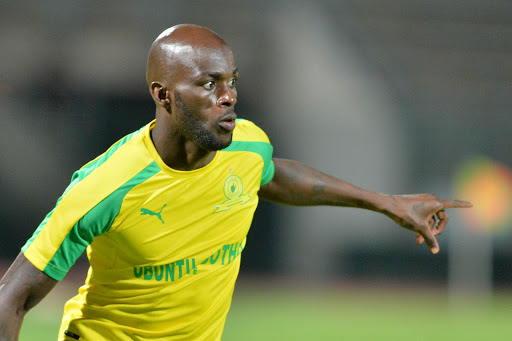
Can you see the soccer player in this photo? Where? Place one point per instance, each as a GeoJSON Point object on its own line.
{"type": "Point", "coordinates": [163, 214]}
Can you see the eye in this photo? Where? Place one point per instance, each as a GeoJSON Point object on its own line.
{"type": "Point", "coordinates": [209, 85]}
{"type": "Point", "coordinates": [232, 82]}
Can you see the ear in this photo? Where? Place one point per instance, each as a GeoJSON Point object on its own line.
{"type": "Point", "coordinates": [160, 94]}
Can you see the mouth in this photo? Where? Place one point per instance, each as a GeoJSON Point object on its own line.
{"type": "Point", "coordinates": [228, 122]}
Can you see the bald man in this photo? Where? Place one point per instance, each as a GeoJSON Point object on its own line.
{"type": "Point", "coordinates": [163, 214]}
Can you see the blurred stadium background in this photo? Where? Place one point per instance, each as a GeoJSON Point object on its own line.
{"type": "Point", "coordinates": [395, 96]}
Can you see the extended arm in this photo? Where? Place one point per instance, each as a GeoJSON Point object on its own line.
{"type": "Point", "coordinates": [21, 288]}
{"type": "Point", "coordinates": [295, 183]}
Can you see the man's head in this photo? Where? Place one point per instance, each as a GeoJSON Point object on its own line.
{"type": "Point", "coordinates": [191, 74]}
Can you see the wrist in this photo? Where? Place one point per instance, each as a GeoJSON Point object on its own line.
{"type": "Point", "coordinates": [383, 203]}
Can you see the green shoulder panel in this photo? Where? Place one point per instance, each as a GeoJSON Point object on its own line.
{"type": "Point", "coordinates": [96, 222]}
{"type": "Point", "coordinates": [264, 149]}
{"type": "Point", "coordinates": [89, 167]}
{"type": "Point", "coordinates": [81, 174]}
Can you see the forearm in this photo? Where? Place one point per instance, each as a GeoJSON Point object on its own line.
{"type": "Point", "coordinates": [13, 305]}
{"type": "Point", "coordinates": [295, 183]}
{"type": "Point", "coordinates": [21, 288]}
{"type": "Point", "coordinates": [10, 323]}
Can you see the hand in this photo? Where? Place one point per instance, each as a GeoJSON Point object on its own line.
{"type": "Point", "coordinates": [423, 213]}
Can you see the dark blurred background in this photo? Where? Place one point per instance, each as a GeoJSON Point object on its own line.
{"type": "Point", "coordinates": [393, 96]}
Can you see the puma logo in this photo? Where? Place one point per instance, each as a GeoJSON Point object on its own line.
{"type": "Point", "coordinates": [145, 211]}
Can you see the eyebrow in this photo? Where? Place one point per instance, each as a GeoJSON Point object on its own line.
{"type": "Point", "coordinates": [217, 75]}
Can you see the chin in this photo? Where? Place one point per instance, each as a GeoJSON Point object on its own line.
{"type": "Point", "coordinates": [224, 144]}
{"type": "Point", "coordinates": [213, 144]}
{"type": "Point", "coordinates": [227, 144]}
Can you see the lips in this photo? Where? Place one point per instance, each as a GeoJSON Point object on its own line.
{"type": "Point", "coordinates": [228, 122]}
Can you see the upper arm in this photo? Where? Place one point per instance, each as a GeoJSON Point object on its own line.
{"type": "Point", "coordinates": [275, 188]}
{"type": "Point", "coordinates": [295, 183]}
{"type": "Point", "coordinates": [24, 285]}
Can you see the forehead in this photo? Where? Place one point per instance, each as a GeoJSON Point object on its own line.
{"type": "Point", "coordinates": [193, 61]}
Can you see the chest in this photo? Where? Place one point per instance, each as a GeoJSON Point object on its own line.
{"type": "Point", "coordinates": [167, 219]}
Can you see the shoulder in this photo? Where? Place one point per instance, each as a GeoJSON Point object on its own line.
{"type": "Point", "coordinates": [123, 147]}
{"type": "Point", "coordinates": [104, 181]}
{"type": "Point", "coordinates": [248, 131]}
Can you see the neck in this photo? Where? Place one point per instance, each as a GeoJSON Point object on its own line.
{"type": "Point", "coordinates": [176, 151]}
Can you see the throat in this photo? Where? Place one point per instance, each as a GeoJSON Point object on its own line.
{"type": "Point", "coordinates": [191, 161]}
{"type": "Point", "coordinates": [185, 156]}
{"type": "Point", "coordinates": [178, 151]}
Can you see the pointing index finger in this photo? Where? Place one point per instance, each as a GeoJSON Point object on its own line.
{"type": "Point", "coordinates": [455, 203]}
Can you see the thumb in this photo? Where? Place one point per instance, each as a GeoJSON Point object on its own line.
{"type": "Point", "coordinates": [431, 241]}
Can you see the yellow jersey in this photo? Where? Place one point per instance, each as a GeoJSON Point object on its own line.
{"type": "Point", "coordinates": [164, 245]}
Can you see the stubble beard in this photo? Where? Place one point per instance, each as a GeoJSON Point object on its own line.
{"type": "Point", "coordinates": [192, 128]}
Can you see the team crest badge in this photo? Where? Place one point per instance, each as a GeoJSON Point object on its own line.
{"type": "Point", "coordinates": [233, 190]}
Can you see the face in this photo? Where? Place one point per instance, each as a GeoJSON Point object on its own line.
{"type": "Point", "coordinates": [204, 98]}
{"type": "Point", "coordinates": [196, 130]}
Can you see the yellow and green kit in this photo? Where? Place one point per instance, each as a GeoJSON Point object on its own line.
{"type": "Point", "coordinates": [163, 245]}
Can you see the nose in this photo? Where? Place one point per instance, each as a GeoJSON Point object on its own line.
{"type": "Point", "coordinates": [227, 97]}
